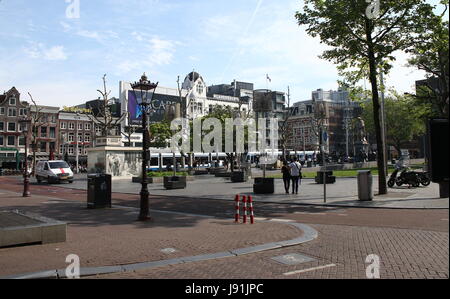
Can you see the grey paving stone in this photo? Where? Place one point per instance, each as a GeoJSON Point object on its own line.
{"type": "Point", "coordinates": [255, 249]}
{"type": "Point", "coordinates": [205, 257]}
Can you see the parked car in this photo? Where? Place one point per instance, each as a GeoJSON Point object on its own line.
{"type": "Point", "coordinates": [53, 172]}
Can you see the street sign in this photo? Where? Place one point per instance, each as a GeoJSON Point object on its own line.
{"type": "Point", "coordinates": [325, 136]}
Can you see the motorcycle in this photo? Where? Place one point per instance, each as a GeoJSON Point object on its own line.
{"type": "Point", "coordinates": [408, 177]}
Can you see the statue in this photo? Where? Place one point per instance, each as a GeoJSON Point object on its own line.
{"type": "Point", "coordinates": [360, 131]}
{"type": "Point", "coordinates": [360, 140]}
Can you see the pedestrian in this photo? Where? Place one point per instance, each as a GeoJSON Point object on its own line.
{"type": "Point", "coordinates": [286, 176]}
{"type": "Point", "coordinates": [296, 172]}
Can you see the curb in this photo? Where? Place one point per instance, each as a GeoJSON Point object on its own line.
{"type": "Point", "coordinates": [309, 234]}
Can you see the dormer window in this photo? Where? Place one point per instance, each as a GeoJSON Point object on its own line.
{"type": "Point", "coordinates": [12, 101]}
{"type": "Point", "coordinates": [200, 88]}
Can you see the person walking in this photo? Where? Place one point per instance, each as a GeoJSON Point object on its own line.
{"type": "Point", "coordinates": [295, 170]}
{"type": "Point", "coordinates": [286, 176]}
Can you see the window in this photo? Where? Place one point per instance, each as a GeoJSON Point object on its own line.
{"type": "Point", "coordinates": [21, 141]}
{"type": "Point", "coordinates": [200, 88]}
{"type": "Point", "coordinates": [80, 137]}
{"type": "Point", "coordinates": [87, 138]}
{"type": "Point", "coordinates": [2, 110]}
{"type": "Point", "coordinates": [61, 149]}
{"type": "Point", "coordinates": [11, 140]}
{"type": "Point", "coordinates": [53, 119]}
{"type": "Point", "coordinates": [1, 140]}
{"type": "Point", "coordinates": [2, 126]}
{"type": "Point", "coordinates": [80, 126]}
{"type": "Point", "coordinates": [98, 130]}
{"type": "Point", "coordinates": [12, 101]}
{"type": "Point", "coordinates": [22, 112]}
{"type": "Point", "coordinates": [71, 137]}
{"type": "Point", "coordinates": [71, 150]}
{"type": "Point", "coordinates": [80, 151]}
{"type": "Point", "coordinates": [11, 127]}
{"type": "Point", "coordinates": [52, 132]}
{"type": "Point", "coordinates": [63, 125]}
{"type": "Point", "coordinates": [22, 127]}
{"type": "Point", "coordinates": [43, 147]}
{"type": "Point", "coordinates": [71, 126]}
{"type": "Point", "coordinates": [12, 112]}
{"type": "Point", "coordinates": [44, 132]}
{"type": "Point", "coordinates": [87, 126]}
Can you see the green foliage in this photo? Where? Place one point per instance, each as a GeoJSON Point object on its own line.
{"type": "Point", "coordinates": [405, 119]}
{"type": "Point", "coordinates": [160, 134]}
{"type": "Point", "coordinates": [344, 26]}
{"type": "Point", "coordinates": [432, 56]}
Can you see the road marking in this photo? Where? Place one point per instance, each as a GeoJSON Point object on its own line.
{"type": "Point", "coordinates": [444, 219]}
{"type": "Point", "coordinates": [343, 215]}
{"type": "Point", "coordinates": [309, 270]}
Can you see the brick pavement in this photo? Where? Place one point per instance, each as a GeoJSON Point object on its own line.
{"type": "Point", "coordinates": [411, 243]}
{"type": "Point", "coordinates": [403, 254]}
{"type": "Point", "coordinates": [114, 237]}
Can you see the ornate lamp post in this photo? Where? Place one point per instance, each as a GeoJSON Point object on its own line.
{"type": "Point", "coordinates": [144, 86]}
{"type": "Point", "coordinates": [25, 124]}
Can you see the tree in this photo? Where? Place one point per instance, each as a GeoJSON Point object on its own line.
{"type": "Point", "coordinates": [104, 118]}
{"type": "Point", "coordinates": [432, 56]}
{"type": "Point", "coordinates": [38, 120]}
{"type": "Point", "coordinates": [362, 42]}
{"type": "Point", "coordinates": [160, 134]}
{"type": "Point", "coordinates": [405, 119]}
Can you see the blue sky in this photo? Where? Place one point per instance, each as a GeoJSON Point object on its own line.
{"type": "Point", "coordinates": [61, 60]}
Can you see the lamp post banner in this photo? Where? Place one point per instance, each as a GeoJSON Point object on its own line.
{"type": "Point", "coordinates": [157, 107]}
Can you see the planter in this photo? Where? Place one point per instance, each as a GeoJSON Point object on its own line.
{"type": "Point", "coordinates": [175, 182]}
{"type": "Point", "coordinates": [264, 186]}
{"type": "Point", "coordinates": [330, 179]}
{"type": "Point", "coordinates": [239, 177]}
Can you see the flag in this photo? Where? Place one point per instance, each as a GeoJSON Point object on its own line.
{"type": "Point", "coordinates": [268, 78]}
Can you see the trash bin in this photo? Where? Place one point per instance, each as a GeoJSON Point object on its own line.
{"type": "Point", "coordinates": [99, 191]}
{"type": "Point", "coordinates": [365, 182]}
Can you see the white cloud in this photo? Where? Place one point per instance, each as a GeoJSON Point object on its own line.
{"type": "Point", "coordinates": [154, 51]}
{"type": "Point", "coordinates": [40, 51]}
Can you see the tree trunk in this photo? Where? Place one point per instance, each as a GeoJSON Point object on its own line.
{"type": "Point", "coordinates": [382, 186]}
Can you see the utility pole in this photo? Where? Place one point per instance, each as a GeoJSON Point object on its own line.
{"type": "Point", "coordinates": [383, 123]}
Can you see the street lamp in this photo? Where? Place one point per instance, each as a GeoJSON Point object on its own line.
{"type": "Point", "coordinates": [25, 123]}
{"type": "Point", "coordinates": [144, 86]}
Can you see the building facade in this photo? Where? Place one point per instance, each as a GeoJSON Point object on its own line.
{"type": "Point", "coordinates": [12, 140]}
{"type": "Point", "coordinates": [331, 111]}
{"type": "Point", "coordinates": [76, 136]}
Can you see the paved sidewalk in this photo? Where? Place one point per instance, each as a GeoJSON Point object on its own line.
{"type": "Point", "coordinates": [113, 237]}
{"type": "Point", "coordinates": [344, 193]}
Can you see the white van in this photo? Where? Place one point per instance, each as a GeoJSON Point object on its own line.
{"type": "Point", "coordinates": [53, 172]}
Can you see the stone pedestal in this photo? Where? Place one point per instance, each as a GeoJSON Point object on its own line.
{"type": "Point", "coordinates": [119, 162]}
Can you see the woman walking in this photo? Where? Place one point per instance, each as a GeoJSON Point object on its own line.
{"type": "Point", "coordinates": [286, 176]}
{"type": "Point", "coordinates": [296, 173]}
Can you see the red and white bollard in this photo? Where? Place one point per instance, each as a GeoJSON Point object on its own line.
{"type": "Point", "coordinates": [244, 200]}
{"type": "Point", "coordinates": [237, 217]}
{"type": "Point", "coordinates": [252, 215]}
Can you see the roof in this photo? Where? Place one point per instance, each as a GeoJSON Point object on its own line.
{"type": "Point", "coordinates": [194, 76]}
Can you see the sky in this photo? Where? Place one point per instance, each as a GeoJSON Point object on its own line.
{"type": "Point", "coordinates": [59, 50]}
